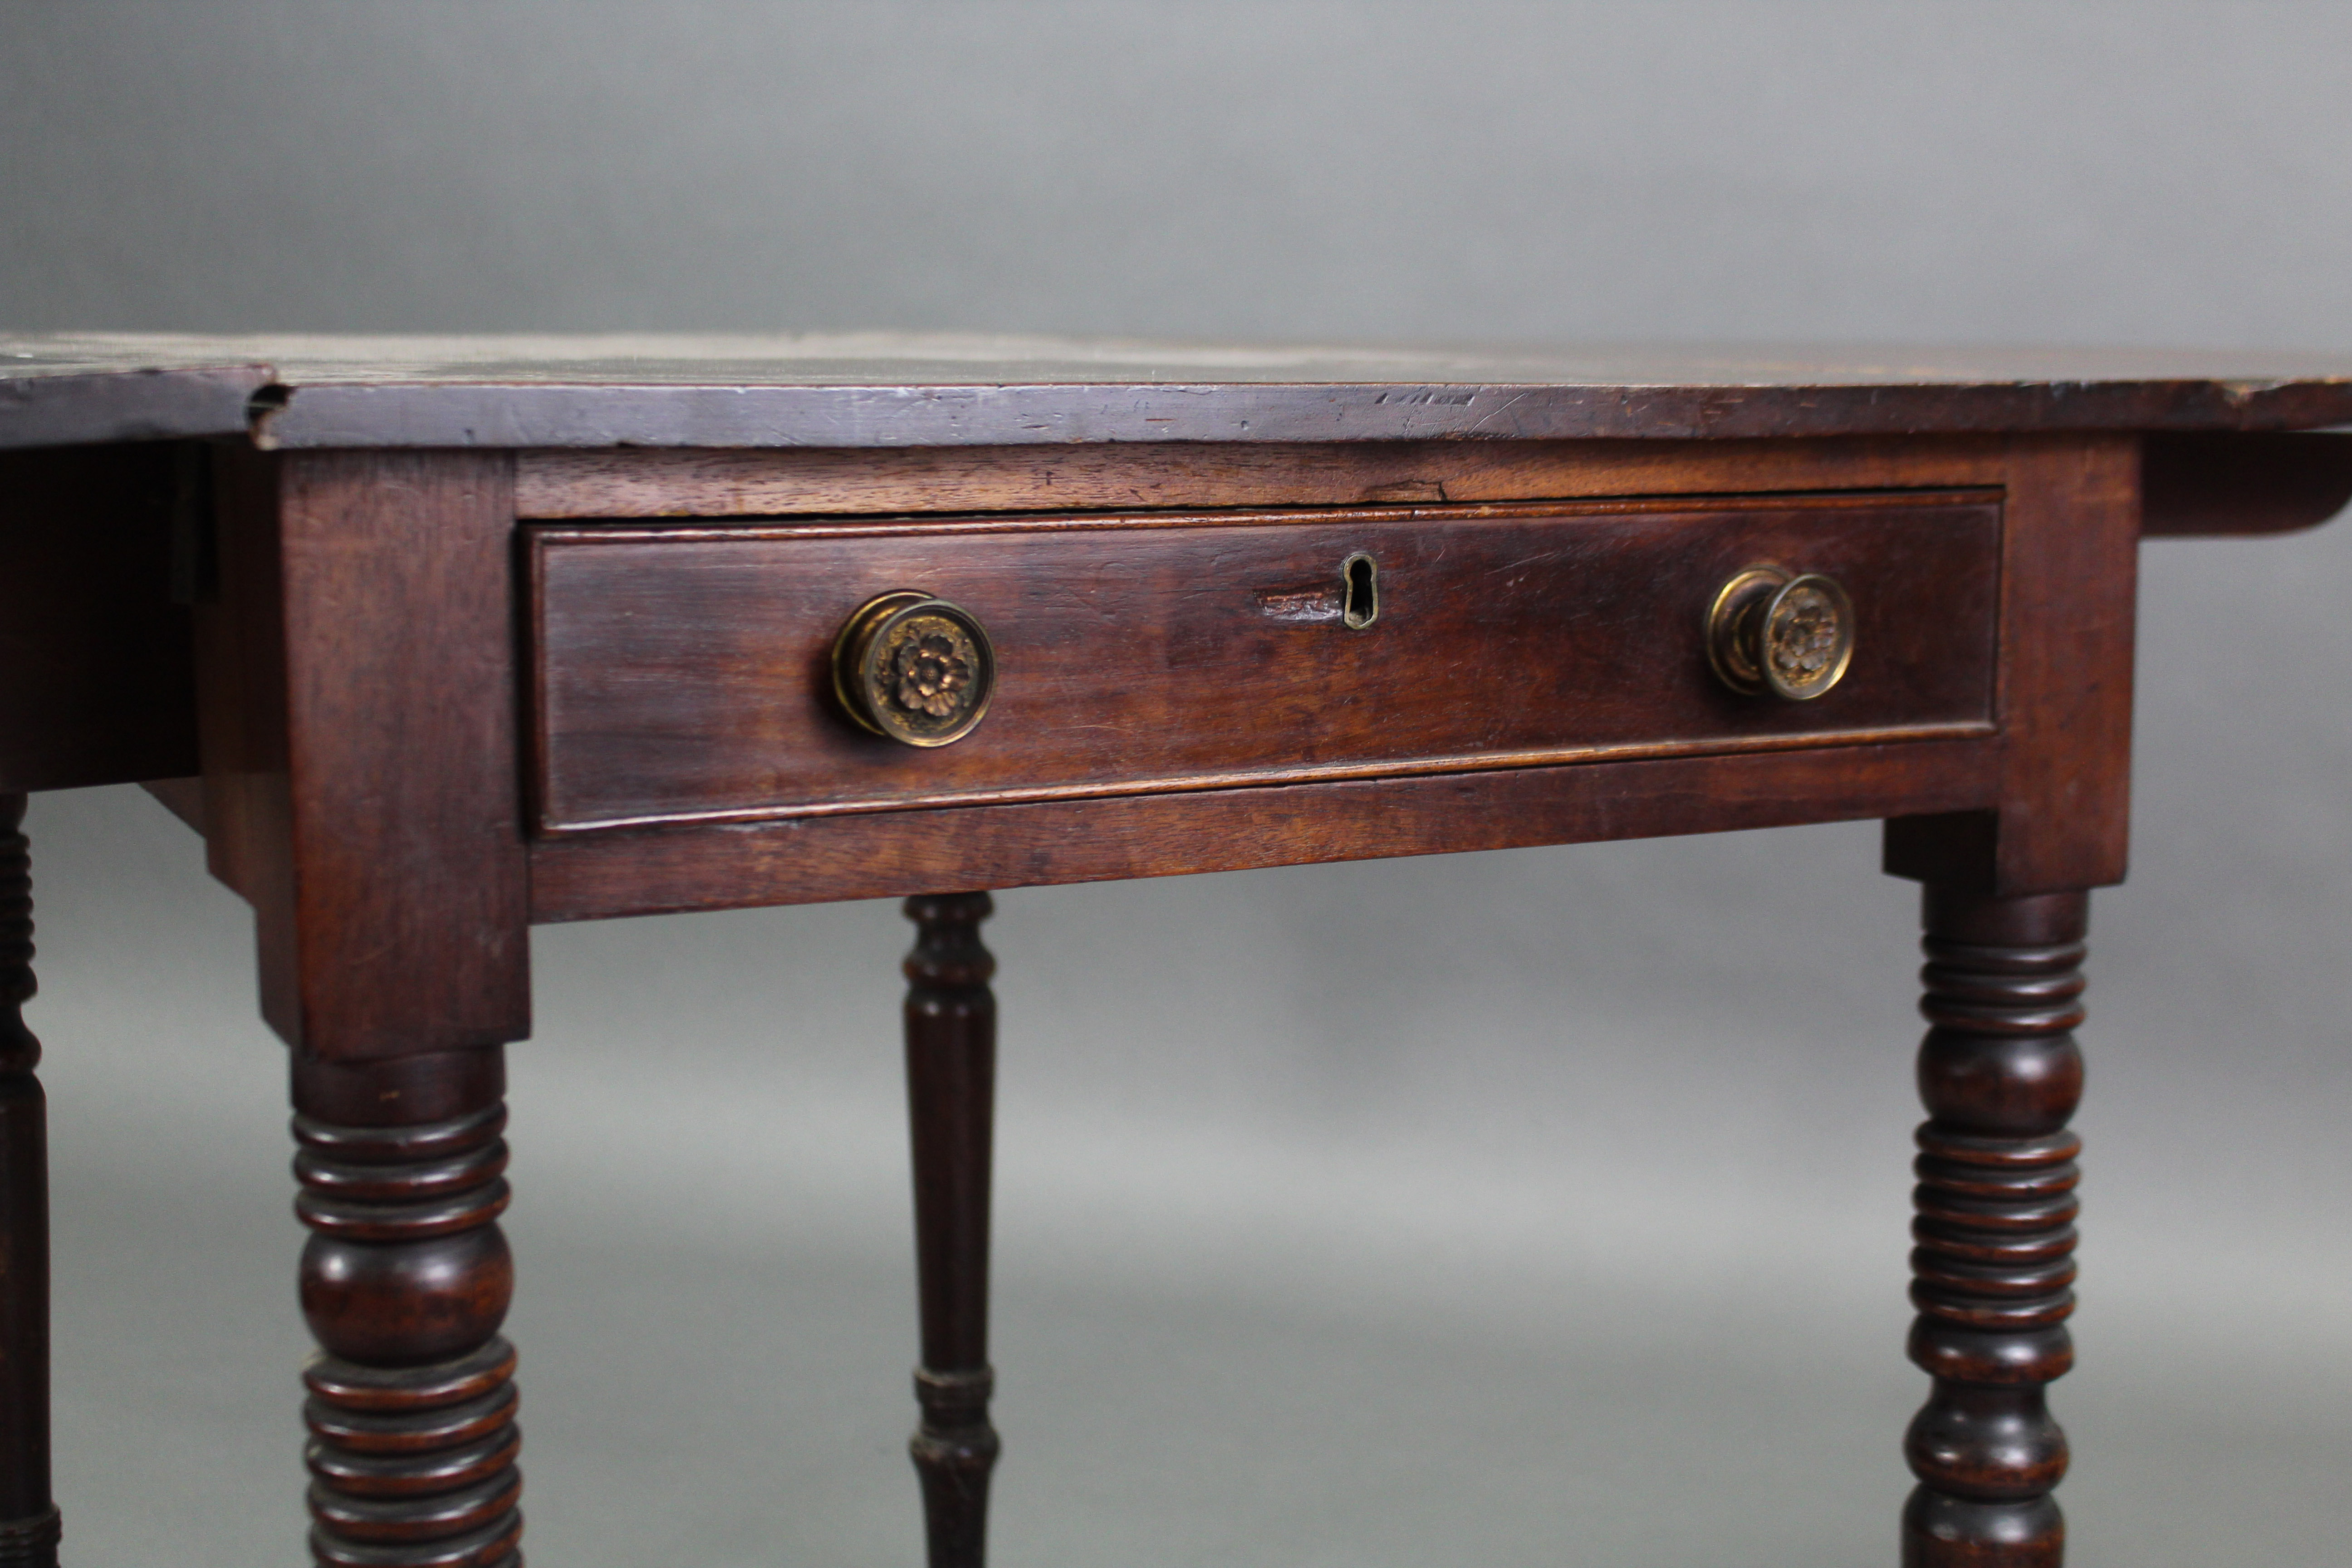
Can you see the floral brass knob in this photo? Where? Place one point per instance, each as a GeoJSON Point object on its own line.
{"type": "Point", "coordinates": [1780, 632]}
{"type": "Point", "coordinates": [914, 668]}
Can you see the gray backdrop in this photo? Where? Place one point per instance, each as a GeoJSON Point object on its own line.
{"type": "Point", "coordinates": [1524, 1208]}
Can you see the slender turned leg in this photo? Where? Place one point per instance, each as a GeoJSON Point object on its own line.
{"type": "Point", "coordinates": [405, 1282]}
{"type": "Point", "coordinates": [1999, 1074]}
{"type": "Point", "coordinates": [950, 1095]}
{"type": "Point", "coordinates": [28, 1520]}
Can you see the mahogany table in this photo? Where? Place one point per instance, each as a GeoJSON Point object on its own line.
{"type": "Point", "coordinates": [435, 641]}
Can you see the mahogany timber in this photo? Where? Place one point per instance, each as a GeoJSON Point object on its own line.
{"type": "Point", "coordinates": [358, 746]}
{"type": "Point", "coordinates": [887, 390]}
{"type": "Point", "coordinates": [845, 481]}
{"type": "Point", "coordinates": [2192, 483]}
{"type": "Point", "coordinates": [358, 711]}
{"type": "Point", "coordinates": [28, 1517]}
{"type": "Point", "coordinates": [892, 854]}
{"type": "Point", "coordinates": [78, 399]}
{"type": "Point", "coordinates": [405, 1283]}
{"type": "Point", "coordinates": [950, 1021]}
{"type": "Point", "coordinates": [183, 798]}
{"type": "Point", "coordinates": [97, 685]}
{"type": "Point", "coordinates": [682, 673]}
{"type": "Point", "coordinates": [2070, 561]}
{"type": "Point", "coordinates": [2200, 483]}
{"type": "Point", "coordinates": [1999, 1074]}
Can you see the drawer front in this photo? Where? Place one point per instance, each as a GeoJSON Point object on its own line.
{"type": "Point", "coordinates": [685, 673]}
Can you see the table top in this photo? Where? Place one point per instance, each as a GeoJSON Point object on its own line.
{"type": "Point", "coordinates": [853, 390]}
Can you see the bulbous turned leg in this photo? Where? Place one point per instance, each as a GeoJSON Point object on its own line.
{"type": "Point", "coordinates": [405, 1281]}
{"type": "Point", "coordinates": [952, 1091]}
{"type": "Point", "coordinates": [1999, 1074]}
{"type": "Point", "coordinates": [28, 1518]}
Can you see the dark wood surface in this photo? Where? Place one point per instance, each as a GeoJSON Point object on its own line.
{"type": "Point", "coordinates": [2070, 561]}
{"type": "Point", "coordinates": [360, 622]}
{"type": "Point", "coordinates": [96, 683]}
{"type": "Point", "coordinates": [950, 1020]}
{"type": "Point", "coordinates": [1999, 1074]}
{"type": "Point", "coordinates": [887, 390]}
{"type": "Point", "coordinates": [49, 400]}
{"type": "Point", "coordinates": [684, 674]}
{"type": "Point", "coordinates": [893, 854]}
{"type": "Point", "coordinates": [29, 1525]}
{"type": "Point", "coordinates": [405, 1281]}
{"type": "Point", "coordinates": [359, 749]}
{"type": "Point", "coordinates": [2202, 483]}
{"type": "Point", "coordinates": [2192, 483]}
{"type": "Point", "coordinates": [651, 482]}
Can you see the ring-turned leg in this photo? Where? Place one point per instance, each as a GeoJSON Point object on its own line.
{"type": "Point", "coordinates": [1999, 1074]}
{"type": "Point", "coordinates": [950, 1093]}
{"type": "Point", "coordinates": [28, 1518]}
{"type": "Point", "coordinates": [405, 1283]}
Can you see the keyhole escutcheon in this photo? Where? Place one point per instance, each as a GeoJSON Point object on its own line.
{"type": "Point", "coordinates": [1360, 591]}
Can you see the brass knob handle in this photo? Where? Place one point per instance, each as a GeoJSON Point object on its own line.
{"type": "Point", "coordinates": [1782, 631]}
{"type": "Point", "coordinates": [914, 668]}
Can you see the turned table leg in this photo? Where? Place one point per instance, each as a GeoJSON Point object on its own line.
{"type": "Point", "coordinates": [28, 1518]}
{"type": "Point", "coordinates": [405, 1283]}
{"type": "Point", "coordinates": [1999, 1074]}
{"type": "Point", "coordinates": [950, 1094]}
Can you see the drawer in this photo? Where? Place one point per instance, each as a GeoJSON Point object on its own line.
{"type": "Point", "coordinates": [686, 672]}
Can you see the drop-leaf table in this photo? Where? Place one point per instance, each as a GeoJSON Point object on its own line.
{"type": "Point", "coordinates": [433, 640]}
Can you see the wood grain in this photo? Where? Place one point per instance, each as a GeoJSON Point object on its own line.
{"type": "Point", "coordinates": [1999, 1074]}
{"type": "Point", "coordinates": [910, 390]}
{"type": "Point", "coordinates": [683, 674]}
{"type": "Point", "coordinates": [894, 854]}
{"type": "Point", "coordinates": [644, 483]}
{"type": "Point", "coordinates": [405, 1281]}
{"type": "Point", "coordinates": [2070, 561]}
{"type": "Point", "coordinates": [1177, 700]}
{"type": "Point", "coordinates": [360, 757]}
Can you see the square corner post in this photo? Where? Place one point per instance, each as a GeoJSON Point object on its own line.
{"type": "Point", "coordinates": [2006, 905]}
{"type": "Point", "coordinates": [357, 701]}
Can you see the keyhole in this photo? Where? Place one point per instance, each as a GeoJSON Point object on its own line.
{"type": "Point", "coordinates": [1360, 591]}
